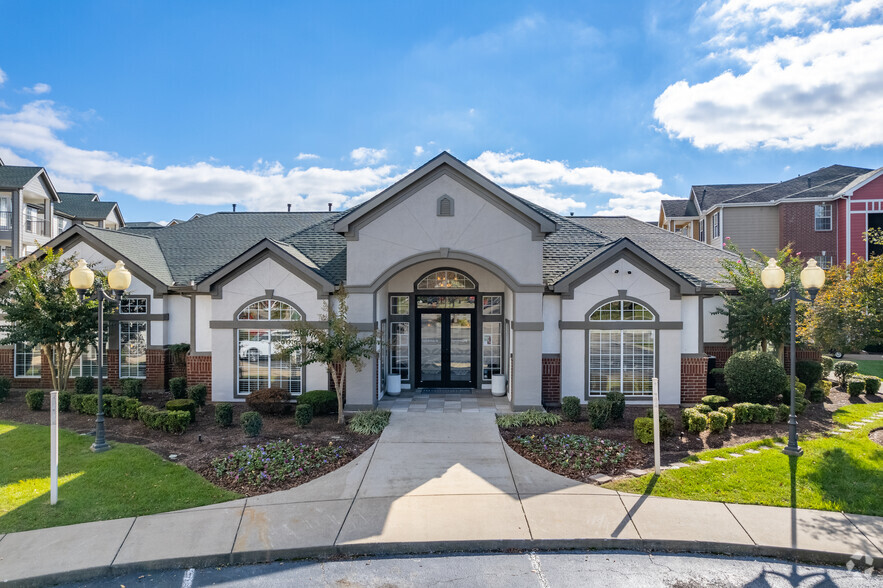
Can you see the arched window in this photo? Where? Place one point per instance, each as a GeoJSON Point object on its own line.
{"type": "Point", "coordinates": [261, 362]}
{"type": "Point", "coordinates": [621, 359]}
{"type": "Point", "coordinates": [622, 310]}
{"type": "Point", "coordinates": [446, 280]}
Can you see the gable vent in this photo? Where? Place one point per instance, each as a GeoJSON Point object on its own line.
{"type": "Point", "coordinates": [445, 206]}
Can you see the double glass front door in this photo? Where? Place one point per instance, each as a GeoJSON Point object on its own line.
{"type": "Point", "coordinates": [445, 348]}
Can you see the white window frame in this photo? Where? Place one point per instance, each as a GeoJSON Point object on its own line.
{"type": "Point", "coordinates": [23, 350]}
{"type": "Point", "coordinates": [597, 361]}
{"type": "Point", "coordinates": [126, 368]}
{"type": "Point", "coordinates": [825, 261]}
{"type": "Point", "coordinates": [702, 230]}
{"type": "Point", "coordinates": [823, 208]}
{"type": "Point", "coordinates": [491, 349]}
{"type": "Point", "coordinates": [268, 364]}
{"type": "Point", "coordinates": [399, 349]}
{"type": "Point", "coordinates": [716, 225]}
{"type": "Point", "coordinates": [77, 368]}
{"type": "Point", "coordinates": [127, 302]}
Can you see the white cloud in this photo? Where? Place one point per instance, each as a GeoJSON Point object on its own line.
{"type": "Point", "coordinates": [821, 89]}
{"type": "Point", "coordinates": [862, 9]}
{"type": "Point", "coordinates": [35, 129]}
{"type": "Point", "coordinates": [418, 151]}
{"type": "Point", "coordinates": [303, 156]}
{"type": "Point", "coordinates": [542, 181]}
{"type": "Point", "coordinates": [367, 156]}
{"type": "Point", "coordinates": [39, 88]}
{"type": "Point", "coordinates": [3, 77]}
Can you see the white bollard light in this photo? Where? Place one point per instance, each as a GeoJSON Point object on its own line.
{"type": "Point", "coordinates": [53, 447]}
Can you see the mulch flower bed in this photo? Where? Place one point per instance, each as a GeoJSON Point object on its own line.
{"type": "Point", "coordinates": [205, 440]}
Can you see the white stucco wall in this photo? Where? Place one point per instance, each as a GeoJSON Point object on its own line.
{"type": "Point", "coordinates": [690, 318]}
{"type": "Point", "coordinates": [713, 324]}
{"type": "Point", "coordinates": [551, 316]}
{"type": "Point", "coordinates": [178, 330]}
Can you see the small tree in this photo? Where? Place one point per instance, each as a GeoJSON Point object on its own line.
{"type": "Point", "coordinates": [40, 307]}
{"type": "Point", "coordinates": [753, 318]}
{"type": "Point", "coordinates": [334, 345]}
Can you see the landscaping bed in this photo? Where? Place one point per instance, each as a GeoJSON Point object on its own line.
{"type": "Point", "coordinates": [204, 440]}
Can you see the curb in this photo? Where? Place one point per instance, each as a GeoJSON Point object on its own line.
{"type": "Point", "coordinates": [439, 547]}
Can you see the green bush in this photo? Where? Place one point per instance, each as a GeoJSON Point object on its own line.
{"type": "Point", "coordinates": [855, 386]}
{"type": "Point", "coordinates": [644, 429]}
{"type": "Point", "coordinates": [251, 423]}
{"type": "Point", "coordinates": [666, 423]}
{"type": "Point", "coordinates": [809, 372]}
{"type": "Point", "coordinates": [715, 401]}
{"type": "Point", "coordinates": [224, 414]}
{"type": "Point", "coordinates": [599, 413]}
{"type": "Point", "coordinates": [746, 412]}
{"type": "Point", "coordinates": [817, 393]}
{"type": "Point", "coordinates": [696, 421]}
{"type": "Point", "coordinates": [717, 421]}
{"type": "Point", "coordinates": [720, 381]}
{"type": "Point", "coordinates": [528, 418]}
{"type": "Point", "coordinates": [178, 387]}
{"type": "Point", "coordinates": [617, 405]}
{"type": "Point", "coordinates": [703, 408]}
{"type": "Point", "coordinates": [685, 417]}
{"type": "Point", "coordinates": [132, 387]}
{"type": "Point", "coordinates": [770, 413]}
{"type": "Point", "coordinates": [5, 386]}
{"type": "Point", "coordinates": [170, 421]}
{"type": "Point", "coordinates": [322, 401]}
{"type": "Point", "coordinates": [269, 401]}
{"type": "Point", "coordinates": [784, 412]}
{"type": "Point", "coordinates": [84, 385]}
{"type": "Point", "coordinates": [64, 401]}
{"type": "Point", "coordinates": [754, 376]}
{"type": "Point", "coordinates": [34, 398]}
{"type": "Point", "coordinates": [113, 405]}
{"type": "Point", "coordinates": [872, 384]}
{"type": "Point", "coordinates": [844, 370]}
{"type": "Point", "coordinates": [827, 364]}
{"type": "Point", "coordinates": [197, 393]}
{"type": "Point", "coordinates": [370, 422]}
{"type": "Point", "coordinates": [570, 408]}
{"type": "Point", "coordinates": [303, 415]}
{"type": "Point", "coordinates": [730, 413]}
{"type": "Point", "coordinates": [85, 403]}
{"type": "Point", "coordinates": [183, 404]}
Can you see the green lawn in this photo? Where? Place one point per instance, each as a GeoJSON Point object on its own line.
{"type": "Point", "coordinates": [126, 481]}
{"type": "Point", "coordinates": [870, 367]}
{"type": "Point", "coordinates": [835, 473]}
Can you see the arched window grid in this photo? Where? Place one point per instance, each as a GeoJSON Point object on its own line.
{"type": "Point", "coordinates": [622, 310]}
{"type": "Point", "coordinates": [446, 280]}
{"type": "Point", "coordinates": [269, 310]}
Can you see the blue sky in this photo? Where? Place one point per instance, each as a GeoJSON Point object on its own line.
{"type": "Point", "coordinates": [594, 107]}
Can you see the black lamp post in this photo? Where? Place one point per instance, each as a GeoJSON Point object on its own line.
{"type": "Point", "coordinates": [812, 277]}
{"type": "Point", "coordinates": [82, 279]}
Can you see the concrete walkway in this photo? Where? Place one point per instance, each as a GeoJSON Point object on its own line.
{"type": "Point", "coordinates": [433, 482]}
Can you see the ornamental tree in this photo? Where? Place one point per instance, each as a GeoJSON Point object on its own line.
{"type": "Point", "coordinates": [336, 343]}
{"type": "Point", "coordinates": [40, 307]}
{"type": "Point", "coordinates": [753, 318]}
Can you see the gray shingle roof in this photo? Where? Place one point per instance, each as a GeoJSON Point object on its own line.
{"type": "Point", "coordinates": [710, 196]}
{"type": "Point", "coordinates": [143, 251]}
{"type": "Point", "coordinates": [14, 177]}
{"type": "Point", "coordinates": [821, 183]}
{"type": "Point", "coordinates": [143, 225]}
{"type": "Point", "coordinates": [679, 207]}
{"type": "Point", "coordinates": [83, 206]}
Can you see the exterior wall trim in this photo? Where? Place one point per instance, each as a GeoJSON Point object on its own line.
{"type": "Point", "coordinates": [620, 325]}
{"type": "Point", "coordinates": [527, 326]}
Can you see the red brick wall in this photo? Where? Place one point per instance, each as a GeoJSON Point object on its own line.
{"type": "Point", "coordinates": [721, 352]}
{"type": "Point", "coordinates": [797, 226]}
{"type": "Point", "coordinates": [6, 362]}
{"type": "Point", "coordinates": [694, 379]}
{"type": "Point", "coordinates": [156, 370]}
{"type": "Point", "coordinates": [802, 355]}
{"type": "Point", "coordinates": [174, 369]}
{"type": "Point", "coordinates": [199, 371]}
{"type": "Point", "coordinates": [113, 368]}
{"type": "Point", "coordinates": [841, 230]}
{"type": "Point", "coordinates": [858, 224]}
{"type": "Point", "coordinates": [551, 380]}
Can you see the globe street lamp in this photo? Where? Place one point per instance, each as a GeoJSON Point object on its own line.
{"type": "Point", "coordinates": [82, 279]}
{"type": "Point", "coordinates": [812, 278]}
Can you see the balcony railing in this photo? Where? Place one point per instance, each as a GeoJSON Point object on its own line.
{"type": "Point", "coordinates": [5, 220]}
{"type": "Point", "coordinates": [36, 226]}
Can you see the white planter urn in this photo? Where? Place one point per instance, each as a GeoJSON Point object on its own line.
{"type": "Point", "coordinates": [498, 384]}
{"type": "Point", "coordinates": [393, 384]}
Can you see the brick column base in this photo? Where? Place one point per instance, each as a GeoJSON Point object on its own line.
{"type": "Point", "coordinates": [199, 371]}
{"type": "Point", "coordinates": [694, 379]}
{"type": "Point", "coordinates": [551, 380]}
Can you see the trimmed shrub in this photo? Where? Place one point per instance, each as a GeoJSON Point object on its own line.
{"type": "Point", "coordinates": [696, 421]}
{"type": "Point", "coordinates": [769, 414]}
{"type": "Point", "coordinates": [855, 386]}
{"type": "Point", "coordinates": [784, 412]}
{"type": "Point", "coordinates": [178, 387]}
{"type": "Point", "coordinates": [5, 386]}
{"type": "Point", "coordinates": [817, 393]}
{"type": "Point", "coordinates": [85, 403]}
{"type": "Point", "coordinates": [170, 421]}
{"type": "Point", "coordinates": [745, 412]}
{"type": "Point", "coordinates": [703, 408]}
{"type": "Point", "coordinates": [251, 423]}
{"type": "Point", "coordinates": [844, 370]}
{"type": "Point", "coordinates": [528, 418]}
{"type": "Point", "coordinates": [809, 372]}
{"type": "Point", "coordinates": [827, 365]}
{"type": "Point", "coordinates": [147, 415]}
{"type": "Point", "coordinates": [84, 385]}
{"type": "Point", "coordinates": [872, 384]}
{"type": "Point", "coordinates": [754, 376]}
{"type": "Point", "coordinates": [224, 414]}
{"type": "Point", "coordinates": [34, 398]}
{"type": "Point", "coordinates": [666, 423]}
{"type": "Point", "coordinates": [570, 408]}
{"type": "Point", "coordinates": [617, 404]}
{"type": "Point", "coordinates": [730, 413]}
{"type": "Point", "coordinates": [322, 401]}
{"type": "Point", "coordinates": [599, 413]}
{"type": "Point", "coordinates": [717, 421]}
{"type": "Point", "coordinates": [715, 401]}
{"type": "Point", "coordinates": [269, 401]}
{"type": "Point", "coordinates": [303, 415]}
{"type": "Point", "coordinates": [197, 393]}
{"type": "Point", "coordinates": [644, 429]}
{"type": "Point", "coordinates": [132, 387]}
{"type": "Point", "coordinates": [720, 381]}
{"type": "Point", "coordinates": [371, 422]}
{"type": "Point", "coordinates": [183, 404]}
{"type": "Point", "coordinates": [64, 401]}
